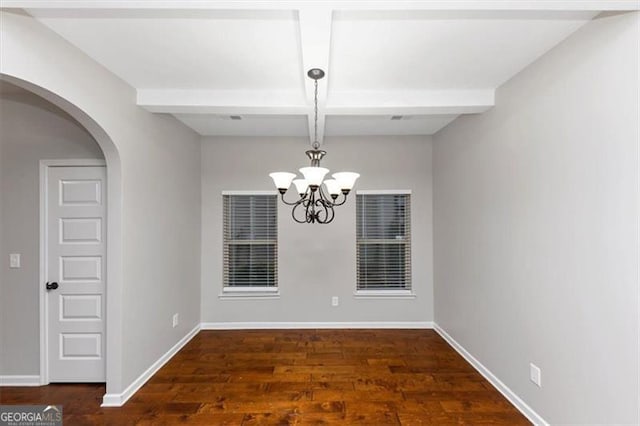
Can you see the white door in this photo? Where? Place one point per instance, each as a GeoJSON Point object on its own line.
{"type": "Point", "coordinates": [76, 265]}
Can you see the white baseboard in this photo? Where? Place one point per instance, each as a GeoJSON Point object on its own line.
{"type": "Point", "coordinates": [20, 381]}
{"type": "Point", "coordinates": [497, 383]}
{"type": "Point", "coordinates": [118, 399]}
{"type": "Point", "coordinates": [307, 325]}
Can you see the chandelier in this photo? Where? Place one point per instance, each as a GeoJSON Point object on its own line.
{"type": "Point", "coordinates": [314, 204]}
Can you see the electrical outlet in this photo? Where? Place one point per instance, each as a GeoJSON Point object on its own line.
{"type": "Point", "coordinates": [535, 375]}
{"type": "Point", "coordinates": [335, 301]}
{"type": "Point", "coordinates": [175, 320]}
{"type": "Point", "coordinates": [14, 260]}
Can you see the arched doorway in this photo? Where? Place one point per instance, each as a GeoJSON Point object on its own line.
{"type": "Point", "coordinates": [113, 282]}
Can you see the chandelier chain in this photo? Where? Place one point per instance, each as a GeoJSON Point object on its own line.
{"type": "Point", "coordinates": [315, 144]}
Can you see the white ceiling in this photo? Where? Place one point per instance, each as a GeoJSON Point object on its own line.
{"type": "Point", "coordinates": [428, 61]}
{"type": "Point", "coordinates": [250, 125]}
{"type": "Point", "coordinates": [353, 125]}
{"type": "Point", "coordinates": [436, 51]}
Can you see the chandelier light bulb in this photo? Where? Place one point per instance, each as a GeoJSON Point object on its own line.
{"type": "Point", "coordinates": [346, 180]}
{"type": "Point", "coordinates": [282, 180]}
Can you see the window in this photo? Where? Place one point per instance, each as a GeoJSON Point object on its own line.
{"type": "Point", "coordinates": [250, 243]}
{"type": "Point", "coordinates": [383, 242]}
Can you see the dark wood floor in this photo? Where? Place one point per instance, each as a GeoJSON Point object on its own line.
{"type": "Point", "coordinates": [373, 377]}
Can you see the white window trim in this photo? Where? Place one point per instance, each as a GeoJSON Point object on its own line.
{"type": "Point", "coordinates": [249, 292]}
{"type": "Point", "coordinates": [250, 289]}
{"type": "Point", "coordinates": [391, 293]}
{"type": "Point", "coordinates": [250, 192]}
{"type": "Point", "coordinates": [383, 192]}
{"type": "Point", "coordinates": [384, 294]}
{"type": "Point", "coordinates": [249, 296]}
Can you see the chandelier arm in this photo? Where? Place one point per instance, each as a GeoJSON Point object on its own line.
{"type": "Point", "coordinates": [333, 214]}
{"type": "Point", "coordinates": [294, 209]}
{"type": "Point", "coordinates": [315, 212]}
{"type": "Point", "coordinates": [326, 200]}
{"type": "Point", "coordinates": [293, 215]}
{"type": "Point", "coordinates": [319, 203]}
{"type": "Point", "coordinates": [329, 213]}
{"type": "Point", "coordinates": [310, 211]}
{"type": "Point", "coordinates": [327, 207]}
{"type": "Point", "coordinates": [344, 200]}
{"type": "Point", "coordinates": [295, 203]}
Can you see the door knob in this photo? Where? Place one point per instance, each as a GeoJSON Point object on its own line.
{"type": "Point", "coordinates": [52, 286]}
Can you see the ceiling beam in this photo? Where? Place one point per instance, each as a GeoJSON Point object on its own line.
{"type": "Point", "coordinates": [406, 110]}
{"type": "Point", "coordinates": [225, 102]}
{"type": "Point", "coordinates": [315, 44]}
{"type": "Point", "coordinates": [441, 5]}
{"type": "Point", "coordinates": [232, 102]}
{"type": "Point", "coordinates": [422, 102]}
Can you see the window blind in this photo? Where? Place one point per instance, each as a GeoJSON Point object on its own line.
{"type": "Point", "coordinates": [383, 236]}
{"type": "Point", "coordinates": [250, 240]}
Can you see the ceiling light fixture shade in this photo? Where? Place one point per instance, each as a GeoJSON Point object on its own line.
{"type": "Point", "coordinates": [333, 187]}
{"type": "Point", "coordinates": [314, 175]}
{"type": "Point", "coordinates": [346, 180]}
{"type": "Point", "coordinates": [315, 204]}
{"type": "Point", "coordinates": [301, 186]}
{"type": "Point", "coordinates": [282, 180]}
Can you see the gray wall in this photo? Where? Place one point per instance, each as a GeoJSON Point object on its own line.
{"type": "Point", "coordinates": [536, 228]}
{"type": "Point", "coordinates": [31, 129]}
{"type": "Point", "coordinates": [316, 261]}
{"type": "Point", "coordinates": [159, 165]}
{"type": "Point", "coordinates": [2, 275]}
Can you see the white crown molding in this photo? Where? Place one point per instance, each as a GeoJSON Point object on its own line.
{"type": "Point", "coordinates": [492, 378]}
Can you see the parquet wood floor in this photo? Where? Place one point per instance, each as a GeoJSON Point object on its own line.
{"type": "Point", "coordinates": [341, 377]}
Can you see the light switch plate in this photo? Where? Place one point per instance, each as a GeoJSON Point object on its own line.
{"type": "Point", "coordinates": [535, 375]}
{"type": "Point", "coordinates": [335, 301]}
{"type": "Point", "coordinates": [14, 260]}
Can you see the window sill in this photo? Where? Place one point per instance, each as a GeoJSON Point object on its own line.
{"type": "Point", "coordinates": [249, 293]}
{"type": "Point", "coordinates": [384, 294]}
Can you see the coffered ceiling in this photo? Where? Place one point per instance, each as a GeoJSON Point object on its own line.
{"type": "Point", "coordinates": [393, 67]}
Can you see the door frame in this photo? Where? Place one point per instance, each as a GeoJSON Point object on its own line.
{"type": "Point", "coordinates": [45, 165]}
